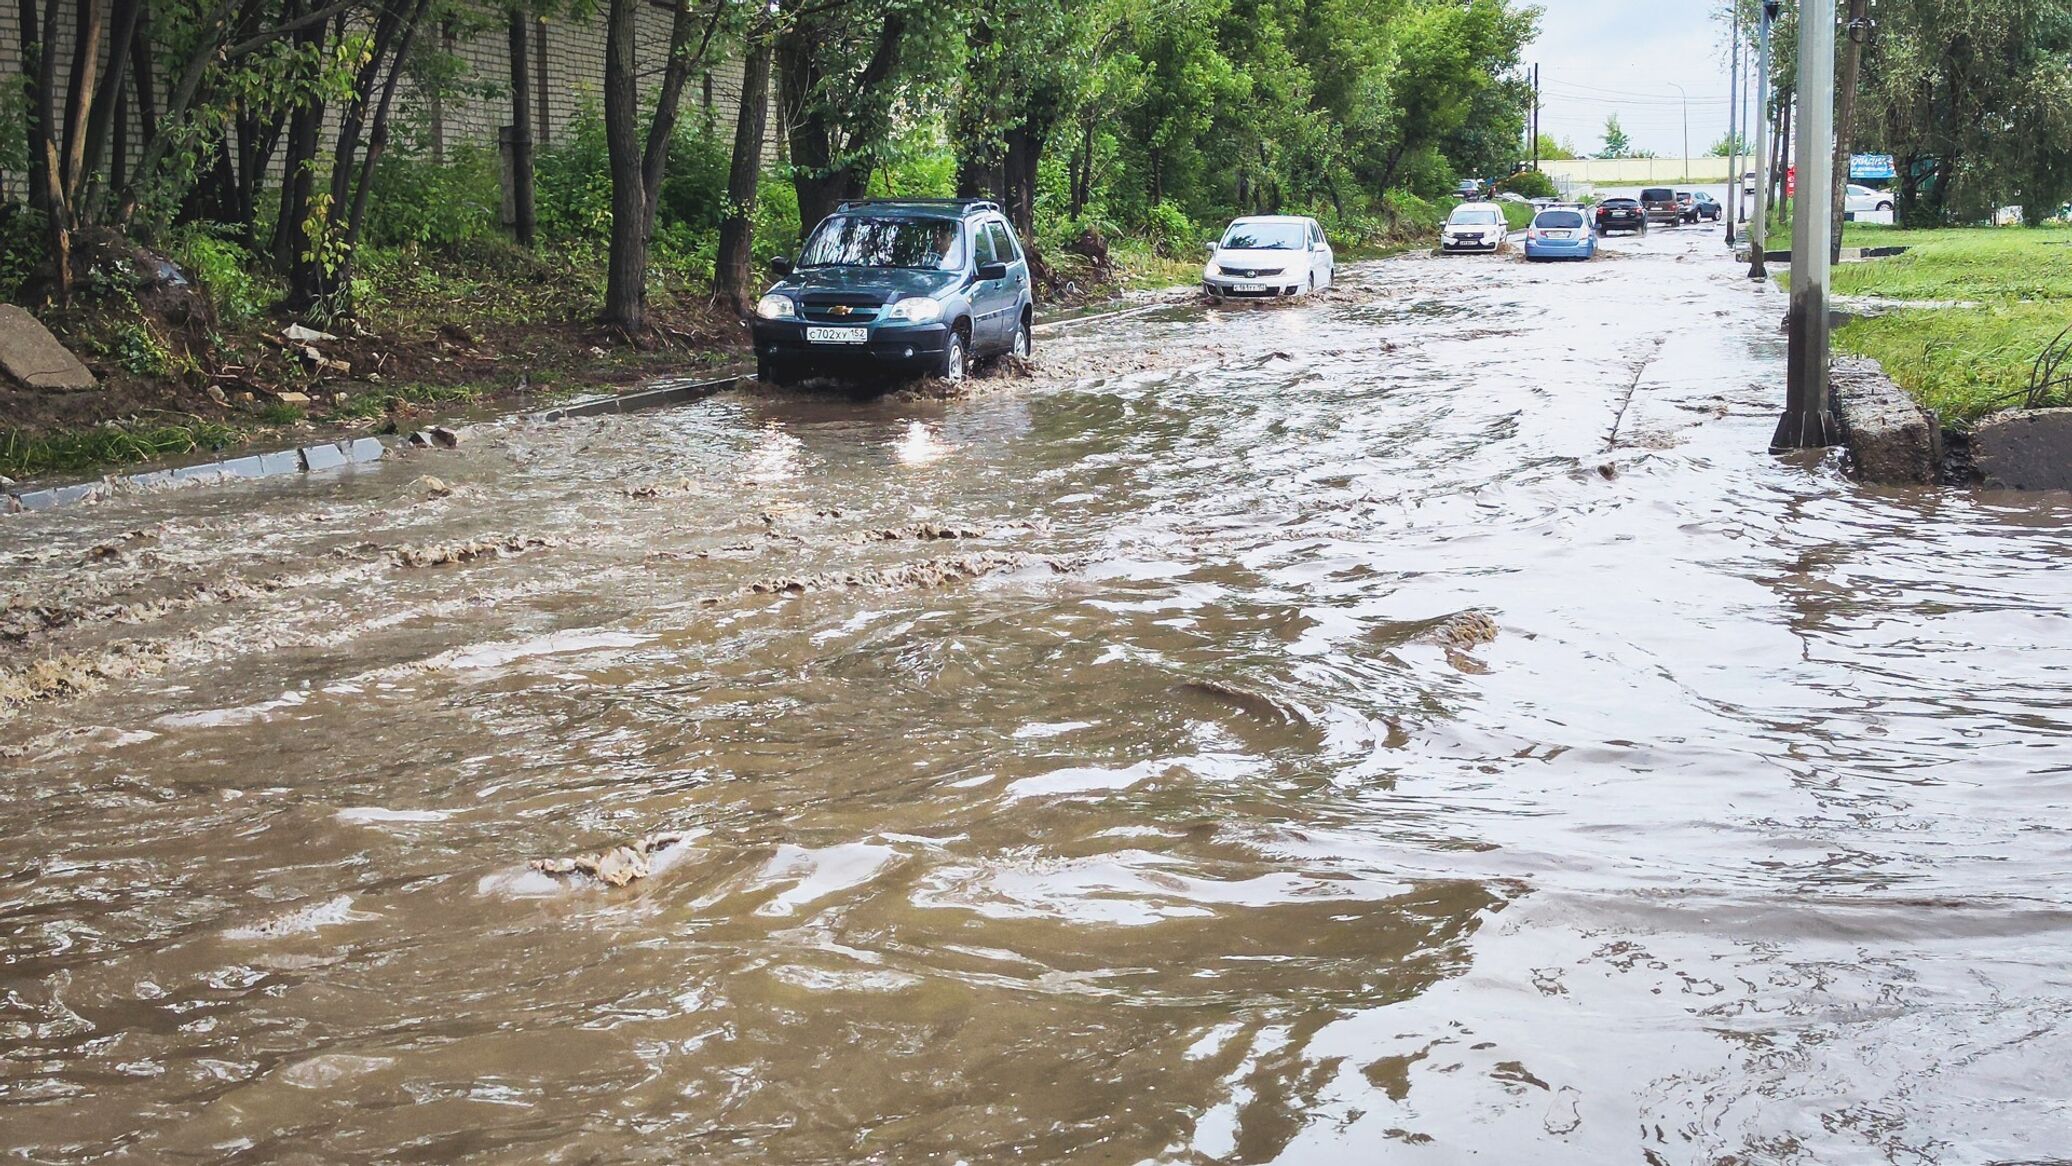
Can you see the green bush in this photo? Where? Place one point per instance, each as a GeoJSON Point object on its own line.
{"type": "Point", "coordinates": [21, 248]}
{"type": "Point", "coordinates": [694, 190]}
{"type": "Point", "coordinates": [1170, 232]}
{"type": "Point", "coordinates": [224, 270]}
{"type": "Point", "coordinates": [1530, 183]}
{"type": "Point", "coordinates": [572, 184]}
{"type": "Point", "coordinates": [777, 228]}
{"type": "Point", "coordinates": [416, 200]}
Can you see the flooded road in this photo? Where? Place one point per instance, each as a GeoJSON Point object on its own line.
{"type": "Point", "coordinates": [1107, 767]}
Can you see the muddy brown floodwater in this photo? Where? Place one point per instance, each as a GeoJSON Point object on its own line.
{"type": "Point", "coordinates": [1112, 766]}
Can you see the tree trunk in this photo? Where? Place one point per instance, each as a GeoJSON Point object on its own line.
{"type": "Point", "coordinates": [1845, 117]}
{"type": "Point", "coordinates": [625, 296]}
{"type": "Point", "coordinates": [654, 159]}
{"type": "Point", "coordinates": [733, 276]}
{"type": "Point", "coordinates": [91, 20]}
{"type": "Point", "coordinates": [820, 180]}
{"type": "Point", "coordinates": [377, 144]}
{"type": "Point", "coordinates": [108, 103]}
{"type": "Point", "coordinates": [521, 133]}
{"type": "Point", "coordinates": [57, 215]}
{"type": "Point", "coordinates": [35, 108]}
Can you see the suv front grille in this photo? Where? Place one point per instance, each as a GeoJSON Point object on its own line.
{"type": "Point", "coordinates": [841, 309]}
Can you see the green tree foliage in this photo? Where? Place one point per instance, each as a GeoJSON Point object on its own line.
{"type": "Point", "coordinates": [1616, 143]}
{"type": "Point", "coordinates": [1729, 145]}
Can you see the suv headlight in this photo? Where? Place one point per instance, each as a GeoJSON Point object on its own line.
{"type": "Point", "coordinates": [916, 310]}
{"type": "Point", "coordinates": [776, 307]}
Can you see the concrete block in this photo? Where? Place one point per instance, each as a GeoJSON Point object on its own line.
{"type": "Point", "coordinates": [38, 500]}
{"type": "Point", "coordinates": [1892, 439]}
{"type": "Point", "coordinates": [2025, 449]}
{"type": "Point", "coordinates": [286, 461]}
{"type": "Point", "coordinates": [243, 467]}
{"type": "Point", "coordinates": [363, 449]}
{"type": "Point", "coordinates": [85, 491]}
{"type": "Point", "coordinates": [322, 457]}
{"type": "Point", "coordinates": [31, 355]}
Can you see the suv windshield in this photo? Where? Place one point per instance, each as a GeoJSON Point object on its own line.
{"type": "Point", "coordinates": [1471, 217]}
{"type": "Point", "coordinates": [1266, 237]}
{"type": "Point", "coordinates": [872, 241]}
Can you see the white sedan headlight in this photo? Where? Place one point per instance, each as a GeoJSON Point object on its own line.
{"type": "Point", "coordinates": [776, 307]}
{"type": "Point", "coordinates": [916, 310]}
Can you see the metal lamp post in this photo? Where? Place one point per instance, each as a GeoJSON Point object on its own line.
{"type": "Point", "coordinates": [1804, 424]}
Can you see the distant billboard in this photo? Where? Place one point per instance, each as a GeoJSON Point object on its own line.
{"type": "Point", "coordinates": [1871, 168]}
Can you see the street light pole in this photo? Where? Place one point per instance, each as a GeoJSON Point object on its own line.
{"type": "Point", "coordinates": [1759, 214]}
{"type": "Point", "coordinates": [1804, 424]}
{"type": "Point", "coordinates": [1687, 127]}
{"type": "Point", "coordinates": [1733, 130]}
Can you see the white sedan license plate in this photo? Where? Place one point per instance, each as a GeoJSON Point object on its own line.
{"type": "Point", "coordinates": [1248, 287]}
{"type": "Point", "coordinates": [836, 335]}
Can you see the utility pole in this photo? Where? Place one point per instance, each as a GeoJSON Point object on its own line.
{"type": "Point", "coordinates": [1804, 423]}
{"type": "Point", "coordinates": [1759, 215]}
{"type": "Point", "coordinates": [1535, 130]}
{"type": "Point", "coordinates": [1733, 112]}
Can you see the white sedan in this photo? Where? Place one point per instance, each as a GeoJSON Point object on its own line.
{"type": "Point", "coordinates": [1863, 200]}
{"type": "Point", "coordinates": [1269, 255]}
{"type": "Point", "coordinates": [1474, 226]}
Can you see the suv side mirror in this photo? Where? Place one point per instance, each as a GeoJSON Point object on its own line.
{"type": "Point", "coordinates": [992, 271]}
{"type": "Point", "coordinates": [780, 265]}
{"type": "Point", "coordinates": [1213, 244]}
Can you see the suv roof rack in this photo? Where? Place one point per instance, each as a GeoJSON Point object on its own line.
{"type": "Point", "coordinates": [967, 205]}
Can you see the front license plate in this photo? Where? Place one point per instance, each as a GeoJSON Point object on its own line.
{"type": "Point", "coordinates": [1248, 287]}
{"type": "Point", "coordinates": [837, 335]}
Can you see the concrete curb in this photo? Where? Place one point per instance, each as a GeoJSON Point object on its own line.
{"type": "Point", "coordinates": [308, 459]}
{"type": "Point", "coordinates": [2024, 449]}
{"type": "Point", "coordinates": [1892, 440]}
{"type": "Point", "coordinates": [661, 396]}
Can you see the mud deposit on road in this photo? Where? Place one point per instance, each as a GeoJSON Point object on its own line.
{"type": "Point", "coordinates": [1411, 725]}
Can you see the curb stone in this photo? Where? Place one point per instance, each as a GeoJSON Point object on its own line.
{"type": "Point", "coordinates": [308, 459]}
{"type": "Point", "coordinates": [1892, 440]}
{"type": "Point", "coordinates": [2025, 449]}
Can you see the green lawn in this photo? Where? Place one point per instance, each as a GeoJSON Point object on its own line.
{"type": "Point", "coordinates": [1961, 362]}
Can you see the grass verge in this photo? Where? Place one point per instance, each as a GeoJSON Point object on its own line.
{"type": "Point", "coordinates": [1962, 362]}
{"type": "Point", "coordinates": [25, 455]}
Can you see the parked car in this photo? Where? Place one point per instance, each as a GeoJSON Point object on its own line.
{"type": "Point", "coordinates": [1474, 226]}
{"type": "Point", "coordinates": [1560, 233]}
{"type": "Point", "coordinates": [1659, 204]}
{"type": "Point", "coordinates": [1621, 214]}
{"type": "Point", "coordinates": [1687, 206]}
{"type": "Point", "coordinates": [1707, 207]}
{"type": "Point", "coordinates": [1269, 255]}
{"type": "Point", "coordinates": [1864, 199]}
{"type": "Point", "coordinates": [906, 285]}
{"type": "Point", "coordinates": [1467, 190]}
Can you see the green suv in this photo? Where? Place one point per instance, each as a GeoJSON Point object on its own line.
{"type": "Point", "coordinates": [897, 285]}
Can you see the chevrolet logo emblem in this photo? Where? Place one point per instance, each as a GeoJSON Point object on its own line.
{"type": "Point", "coordinates": [839, 310]}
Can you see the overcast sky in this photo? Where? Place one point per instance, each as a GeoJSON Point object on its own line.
{"type": "Point", "coordinates": [1598, 59]}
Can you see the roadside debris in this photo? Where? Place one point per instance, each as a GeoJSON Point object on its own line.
{"type": "Point", "coordinates": [614, 867]}
{"type": "Point", "coordinates": [432, 487]}
{"type": "Point", "coordinates": [437, 435]}
{"type": "Point", "coordinates": [1462, 630]}
{"type": "Point", "coordinates": [440, 554]}
{"type": "Point", "coordinates": [924, 531]}
{"type": "Point", "coordinates": [923, 574]}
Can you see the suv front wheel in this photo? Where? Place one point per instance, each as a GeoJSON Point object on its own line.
{"type": "Point", "coordinates": [954, 358]}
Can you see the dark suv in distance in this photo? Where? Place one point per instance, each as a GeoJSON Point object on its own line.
{"type": "Point", "coordinates": [897, 285]}
{"type": "Point", "coordinates": [1621, 214]}
{"type": "Point", "coordinates": [1659, 204]}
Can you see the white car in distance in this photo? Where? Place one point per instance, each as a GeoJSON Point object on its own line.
{"type": "Point", "coordinates": [1864, 200]}
{"type": "Point", "coordinates": [1266, 256]}
{"type": "Point", "coordinates": [1474, 226]}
